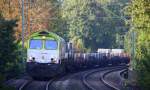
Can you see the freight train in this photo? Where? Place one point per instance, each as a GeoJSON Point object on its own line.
{"type": "Point", "coordinates": [48, 55]}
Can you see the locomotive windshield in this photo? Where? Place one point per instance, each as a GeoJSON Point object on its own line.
{"type": "Point", "coordinates": [51, 44]}
{"type": "Point", "coordinates": [35, 44]}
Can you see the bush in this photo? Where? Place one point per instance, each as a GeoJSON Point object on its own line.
{"type": "Point", "coordinates": [9, 56]}
{"type": "Point", "coordinates": [144, 72]}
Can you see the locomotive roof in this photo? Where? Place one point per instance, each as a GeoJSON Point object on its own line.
{"type": "Point", "coordinates": [47, 33]}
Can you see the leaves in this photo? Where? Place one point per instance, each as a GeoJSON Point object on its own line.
{"type": "Point", "coordinates": [138, 10]}
{"type": "Point", "coordinates": [8, 52]}
{"type": "Point", "coordinates": [93, 22]}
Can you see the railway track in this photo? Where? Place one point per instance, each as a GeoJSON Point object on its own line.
{"type": "Point", "coordinates": [49, 83]}
{"type": "Point", "coordinates": [114, 83]}
{"type": "Point", "coordinates": [104, 72]}
{"type": "Point", "coordinates": [37, 85]}
{"type": "Point", "coordinates": [82, 77]}
{"type": "Point", "coordinates": [24, 85]}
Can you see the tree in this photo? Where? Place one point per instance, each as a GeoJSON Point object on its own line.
{"type": "Point", "coordinates": [139, 12]}
{"type": "Point", "coordinates": [39, 14]}
{"type": "Point", "coordinates": [93, 24]}
{"type": "Point", "coordinates": [8, 51]}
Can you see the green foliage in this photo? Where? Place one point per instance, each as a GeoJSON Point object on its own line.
{"type": "Point", "coordinates": [8, 47]}
{"type": "Point", "coordinates": [57, 24]}
{"type": "Point", "coordinates": [143, 67]}
{"type": "Point", "coordinates": [93, 24]}
{"type": "Point", "coordinates": [8, 51]}
{"type": "Point", "coordinates": [139, 11]}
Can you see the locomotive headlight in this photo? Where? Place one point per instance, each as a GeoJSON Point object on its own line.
{"type": "Point", "coordinates": [53, 60]}
{"type": "Point", "coordinates": [30, 58]}
{"type": "Point", "coordinates": [43, 37]}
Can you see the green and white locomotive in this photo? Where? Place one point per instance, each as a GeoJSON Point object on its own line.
{"type": "Point", "coordinates": [45, 54]}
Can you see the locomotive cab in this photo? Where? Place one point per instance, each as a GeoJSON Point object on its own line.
{"type": "Point", "coordinates": [43, 51]}
{"type": "Point", "coordinates": [44, 54]}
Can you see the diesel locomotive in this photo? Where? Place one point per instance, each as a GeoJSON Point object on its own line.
{"type": "Point", "coordinates": [45, 53]}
